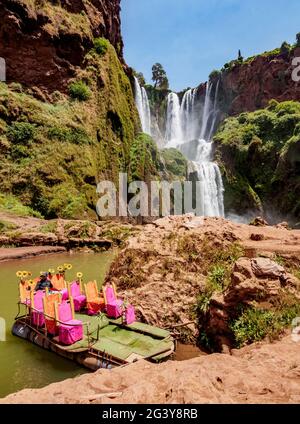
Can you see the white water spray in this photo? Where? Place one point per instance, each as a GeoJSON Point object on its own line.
{"type": "Point", "coordinates": [174, 133]}
{"type": "Point", "coordinates": [182, 131]}
{"type": "Point", "coordinates": [143, 107]}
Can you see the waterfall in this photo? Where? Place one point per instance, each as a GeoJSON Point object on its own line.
{"type": "Point", "coordinates": [206, 110]}
{"type": "Point", "coordinates": [174, 135]}
{"type": "Point", "coordinates": [214, 112]}
{"type": "Point", "coordinates": [211, 184]}
{"type": "Point", "coordinates": [143, 107]}
{"type": "Point", "coordinates": [182, 131]}
{"type": "Point", "coordinates": [188, 115]}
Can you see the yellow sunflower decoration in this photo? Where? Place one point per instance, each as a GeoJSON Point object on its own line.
{"type": "Point", "coordinates": [79, 275]}
{"type": "Point", "coordinates": [67, 267]}
{"type": "Point", "coordinates": [19, 274]}
{"type": "Point", "coordinates": [24, 274]}
{"type": "Point", "coordinates": [60, 268]}
{"type": "Point", "coordinates": [51, 271]}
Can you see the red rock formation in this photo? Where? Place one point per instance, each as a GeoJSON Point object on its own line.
{"type": "Point", "coordinates": [250, 85]}
{"type": "Point", "coordinates": [44, 42]}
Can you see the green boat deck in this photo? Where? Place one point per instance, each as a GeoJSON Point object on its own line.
{"type": "Point", "coordinates": [126, 342]}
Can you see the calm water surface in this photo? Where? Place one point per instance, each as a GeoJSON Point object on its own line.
{"type": "Point", "coordinates": [22, 364]}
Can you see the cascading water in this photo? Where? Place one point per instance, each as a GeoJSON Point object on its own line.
{"type": "Point", "coordinates": [143, 107]}
{"type": "Point", "coordinates": [211, 184]}
{"type": "Point", "coordinates": [215, 112]}
{"type": "Point", "coordinates": [174, 134]}
{"type": "Point", "coordinates": [189, 121]}
{"type": "Point", "coordinates": [184, 129]}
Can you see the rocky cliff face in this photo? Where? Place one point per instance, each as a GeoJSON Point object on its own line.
{"type": "Point", "coordinates": [250, 85]}
{"type": "Point", "coordinates": [45, 41]}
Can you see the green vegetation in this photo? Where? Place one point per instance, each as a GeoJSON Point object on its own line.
{"type": "Point", "coordinates": [9, 203]}
{"type": "Point", "coordinates": [175, 163]}
{"type": "Point", "coordinates": [101, 45]}
{"type": "Point", "coordinates": [140, 77]}
{"type": "Point", "coordinates": [285, 48]}
{"type": "Point", "coordinates": [53, 154]}
{"type": "Point", "coordinates": [259, 155]}
{"type": "Point", "coordinates": [6, 226]}
{"type": "Point", "coordinates": [144, 158]}
{"type": "Point", "coordinates": [253, 324]}
{"type": "Point", "coordinates": [79, 90]}
{"type": "Point", "coordinates": [159, 77]}
{"type": "Point", "coordinates": [50, 227]}
{"type": "Point", "coordinates": [215, 74]}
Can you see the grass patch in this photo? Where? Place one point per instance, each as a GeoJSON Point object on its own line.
{"type": "Point", "coordinates": [10, 203]}
{"type": "Point", "coordinates": [50, 227]}
{"type": "Point", "coordinates": [79, 91]}
{"type": "Point", "coordinates": [254, 325]}
{"type": "Point", "coordinates": [101, 46]}
{"type": "Point", "coordinates": [6, 226]}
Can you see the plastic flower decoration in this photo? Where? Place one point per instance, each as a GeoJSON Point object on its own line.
{"type": "Point", "coordinates": [24, 274]}
{"type": "Point", "coordinates": [79, 275]}
{"type": "Point", "coordinates": [51, 271]}
{"type": "Point", "coordinates": [19, 274]}
{"type": "Point", "coordinates": [60, 268]}
{"type": "Point", "coordinates": [67, 267]}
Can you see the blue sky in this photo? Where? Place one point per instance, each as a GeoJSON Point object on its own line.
{"type": "Point", "coordinates": [193, 37]}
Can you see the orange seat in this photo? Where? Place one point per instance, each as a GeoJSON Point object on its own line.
{"type": "Point", "coordinates": [25, 288]}
{"type": "Point", "coordinates": [58, 282]}
{"type": "Point", "coordinates": [49, 310]}
{"type": "Point", "coordinates": [95, 301]}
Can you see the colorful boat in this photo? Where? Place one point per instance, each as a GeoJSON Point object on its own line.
{"type": "Point", "coordinates": [97, 332]}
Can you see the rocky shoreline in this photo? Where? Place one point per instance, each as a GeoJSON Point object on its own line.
{"type": "Point", "coordinates": [261, 373]}
{"type": "Point", "coordinates": [14, 253]}
{"type": "Point", "coordinates": [57, 235]}
{"type": "Point", "coordinates": [195, 276]}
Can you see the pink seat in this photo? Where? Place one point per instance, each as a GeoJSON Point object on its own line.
{"type": "Point", "coordinates": [130, 315]}
{"type": "Point", "coordinates": [37, 314]}
{"type": "Point", "coordinates": [114, 306]}
{"type": "Point", "coordinates": [78, 298]}
{"type": "Point", "coordinates": [70, 330]}
{"type": "Point", "coordinates": [65, 294]}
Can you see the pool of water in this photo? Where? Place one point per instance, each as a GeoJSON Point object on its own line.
{"type": "Point", "coordinates": [22, 364]}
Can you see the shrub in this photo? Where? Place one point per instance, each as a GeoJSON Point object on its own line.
{"type": "Point", "coordinates": [285, 48]}
{"type": "Point", "coordinates": [75, 135]}
{"type": "Point", "coordinates": [214, 75]}
{"type": "Point", "coordinates": [21, 132]}
{"type": "Point", "coordinates": [253, 325]}
{"type": "Point", "coordinates": [217, 276]}
{"type": "Point", "coordinates": [101, 46]}
{"type": "Point", "coordinates": [79, 90]}
{"type": "Point", "coordinates": [10, 203]}
{"type": "Point", "coordinates": [298, 39]}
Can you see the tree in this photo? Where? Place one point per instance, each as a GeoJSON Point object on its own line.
{"type": "Point", "coordinates": [141, 78]}
{"type": "Point", "coordinates": [298, 39]}
{"type": "Point", "coordinates": [240, 57]}
{"type": "Point", "coordinates": [285, 48]}
{"type": "Point", "coordinates": [159, 77]}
